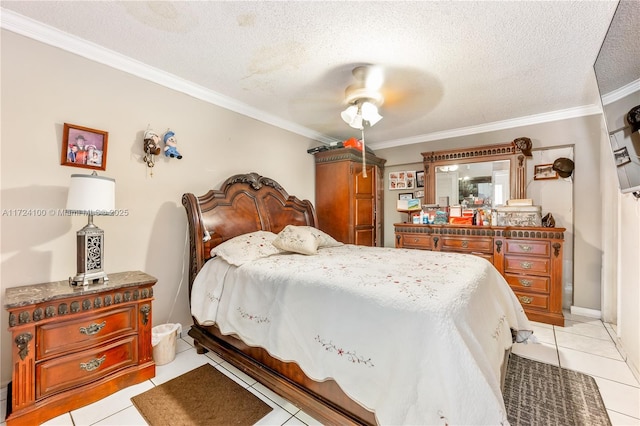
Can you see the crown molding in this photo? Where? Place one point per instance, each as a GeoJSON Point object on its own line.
{"type": "Point", "coordinates": [35, 30]}
{"type": "Point", "coordinates": [620, 93]}
{"type": "Point", "coordinates": [494, 126]}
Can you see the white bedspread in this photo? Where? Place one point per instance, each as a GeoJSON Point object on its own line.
{"type": "Point", "coordinates": [416, 336]}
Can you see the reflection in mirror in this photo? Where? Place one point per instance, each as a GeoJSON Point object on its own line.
{"type": "Point", "coordinates": [484, 184]}
{"type": "Point", "coordinates": [617, 70]}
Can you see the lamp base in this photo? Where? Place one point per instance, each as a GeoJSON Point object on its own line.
{"type": "Point", "coordinates": [85, 279]}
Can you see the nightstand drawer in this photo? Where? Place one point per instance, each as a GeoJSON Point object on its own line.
{"type": "Point", "coordinates": [534, 248]}
{"type": "Point", "coordinates": [527, 265]}
{"type": "Point", "coordinates": [420, 241]}
{"type": "Point", "coordinates": [77, 369]}
{"type": "Point", "coordinates": [484, 245]}
{"type": "Point", "coordinates": [63, 336]}
{"type": "Point", "coordinates": [530, 300]}
{"type": "Point", "coordinates": [528, 283]}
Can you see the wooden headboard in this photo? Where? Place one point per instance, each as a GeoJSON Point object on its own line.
{"type": "Point", "coordinates": [244, 203]}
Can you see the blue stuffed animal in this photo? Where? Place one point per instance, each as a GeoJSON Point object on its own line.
{"type": "Point", "coordinates": [170, 148]}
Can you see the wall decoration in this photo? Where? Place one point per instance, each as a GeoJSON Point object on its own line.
{"type": "Point", "coordinates": [621, 156]}
{"type": "Point", "coordinates": [402, 180]}
{"type": "Point", "coordinates": [405, 196]}
{"type": "Point", "coordinates": [544, 171]}
{"type": "Point", "coordinates": [419, 194]}
{"type": "Point", "coordinates": [84, 147]}
{"type": "Point", "coordinates": [420, 179]}
{"type": "Point", "coordinates": [151, 147]}
{"type": "Point", "coordinates": [171, 145]}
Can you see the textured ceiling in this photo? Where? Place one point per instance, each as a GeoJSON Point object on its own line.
{"type": "Point", "coordinates": [449, 66]}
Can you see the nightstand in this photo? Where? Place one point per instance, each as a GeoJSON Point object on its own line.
{"type": "Point", "coordinates": [72, 346]}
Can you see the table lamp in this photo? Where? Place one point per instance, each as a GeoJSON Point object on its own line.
{"type": "Point", "coordinates": [90, 195]}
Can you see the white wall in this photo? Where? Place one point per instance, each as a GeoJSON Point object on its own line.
{"type": "Point", "coordinates": [44, 87]}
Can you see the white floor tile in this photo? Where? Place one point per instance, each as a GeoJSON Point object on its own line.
{"type": "Point", "coordinates": [595, 330]}
{"type": "Point", "coordinates": [294, 421]}
{"type": "Point", "coordinates": [127, 417]}
{"type": "Point", "coordinates": [112, 404]}
{"type": "Point", "coordinates": [276, 398]}
{"type": "Point", "coordinates": [579, 318]}
{"type": "Point", "coordinates": [620, 398]}
{"type": "Point", "coordinates": [307, 419]}
{"type": "Point", "coordinates": [588, 344]}
{"type": "Point", "coordinates": [544, 334]}
{"type": "Point", "coordinates": [236, 375]}
{"type": "Point", "coordinates": [277, 416]}
{"type": "Point", "coordinates": [61, 420]}
{"type": "Point", "coordinates": [185, 361]}
{"type": "Point", "coordinates": [618, 419]}
{"type": "Point", "coordinates": [542, 352]}
{"type": "Point", "coordinates": [596, 366]}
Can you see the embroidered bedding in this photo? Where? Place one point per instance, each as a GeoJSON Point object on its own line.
{"type": "Point", "coordinates": [418, 337]}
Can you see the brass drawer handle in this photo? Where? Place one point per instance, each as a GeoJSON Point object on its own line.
{"type": "Point", "coordinates": [415, 240]}
{"type": "Point", "coordinates": [465, 244]}
{"type": "Point", "coordinates": [526, 283]}
{"type": "Point", "coordinates": [93, 364]}
{"type": "Point", "coordinates": [526, 265]}
{"type": "Point", "coordinates": [525, 299]}
{"type": "Point", "coordinates": [93, 328]}
{"type": "Point", "coordinates": [525, 248]}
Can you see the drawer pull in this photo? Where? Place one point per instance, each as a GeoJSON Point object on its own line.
{"type": "Point", "coordinates": [93, 328]}
{"type": "Point", "coordinates": [525, 248]}
{"type": "Point", "coordinates": [525, 299]}
{"type": "Point", "coordinates": [465, 244]}
{"type": "Point", "coordinates": [526, 283]}
{"type": "Point", "coordinates": [526, 265]}
{"type": "Point", "coordinates": [415, 240]}
{"type": "Point", "coordinates": [93, 364]}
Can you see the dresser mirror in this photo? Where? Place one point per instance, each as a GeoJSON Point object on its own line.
{"type": "Point", "coordinates": [484, 177]}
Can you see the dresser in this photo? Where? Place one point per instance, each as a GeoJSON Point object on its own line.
{"type": "Point", "coordinates": [72, 346]}
{"type": "Point", "coordinates": [529, 258]}
{"type": "Point", "coordinates": [348, 204]}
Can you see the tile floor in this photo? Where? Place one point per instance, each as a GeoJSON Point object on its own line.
{"type": "Point", "coordinates": [584, 344]}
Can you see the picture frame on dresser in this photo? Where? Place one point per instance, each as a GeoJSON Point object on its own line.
{"type": "Point", "coordinates": [84, 147]}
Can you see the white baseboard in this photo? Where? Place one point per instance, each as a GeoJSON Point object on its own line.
{"type": "Point", "coordinates": [586, 312]}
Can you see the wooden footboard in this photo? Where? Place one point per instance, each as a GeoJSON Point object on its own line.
{"type": "Point", "coordinates": [324, 401]}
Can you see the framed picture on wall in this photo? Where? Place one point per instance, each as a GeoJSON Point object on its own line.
{"type": "Point", "coordinates": [544, 171]}
{"type": "Point", "coordinates": [405, 196]}
{"type": "Point", "coordinates": [420, 179]}
{"type": "Point", "coordinates": [621, 156]}
{"type": "Point", "coordinates": [84, 147]}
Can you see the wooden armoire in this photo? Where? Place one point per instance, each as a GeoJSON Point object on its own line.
{"type": "Point", "coordinates": [350, 206]}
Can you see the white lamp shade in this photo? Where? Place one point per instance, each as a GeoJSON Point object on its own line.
{"type": "Point", "coordinates": [349, 114]}
{"type": "Point", "coordinates": [370, 113]}
{"type": "Point", "coordinates": [91, 194]}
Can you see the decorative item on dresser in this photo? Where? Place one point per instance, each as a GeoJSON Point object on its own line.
{"type": "Point", "coordinates": [350, 206]}
{"type": "Point", "coordinates": [72, 346]}
{"type": "Point", "coordinates": [529, 258]}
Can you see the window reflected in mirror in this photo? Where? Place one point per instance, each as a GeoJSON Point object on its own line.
{"type": "Point", "coordinates": [475, 185]}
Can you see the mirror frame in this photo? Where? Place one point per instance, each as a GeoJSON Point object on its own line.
{"type": "Point", "coordinates": [508, 151]}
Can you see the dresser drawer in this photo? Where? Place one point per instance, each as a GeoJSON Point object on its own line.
{"type": "Point", "coordinates": [77, 369]}
{"type": "Point", "coordinates": [63, 336]}
{"type": "Point", "coordinates": [527, 265]}
{"type": "Point", "coordinates": [475, 244]}
{"type": "Point", "coordinates": [533, 248]}
{"type": "Point", "coordinates": [528, 283]}
{"type": "Point", "coordinates": [419, 241]}
{"type": "Point", "coordinates": [532, 300]}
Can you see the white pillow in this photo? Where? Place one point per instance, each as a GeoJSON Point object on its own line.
{"type": "Point", "coordinates": [247, 247]}
{"type": "Point", "coordinates": [303, 239]}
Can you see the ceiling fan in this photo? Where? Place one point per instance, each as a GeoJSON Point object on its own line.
{"type": "Point", "coordinates": [364, 97]}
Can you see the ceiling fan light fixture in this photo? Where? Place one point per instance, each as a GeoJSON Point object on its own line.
{"type": "Point", "coordinates": [370, 113]}
{"type": "Point", "coordinates": [349, 114]}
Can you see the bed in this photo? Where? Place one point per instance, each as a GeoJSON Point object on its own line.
{"type": "Point", "coordinates": [350, 334]}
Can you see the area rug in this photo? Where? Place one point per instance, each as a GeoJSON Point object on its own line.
{"type": "Point", "coordinates": [536, 393]}
{"type": "Point", "coordinates": [201, 397]}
